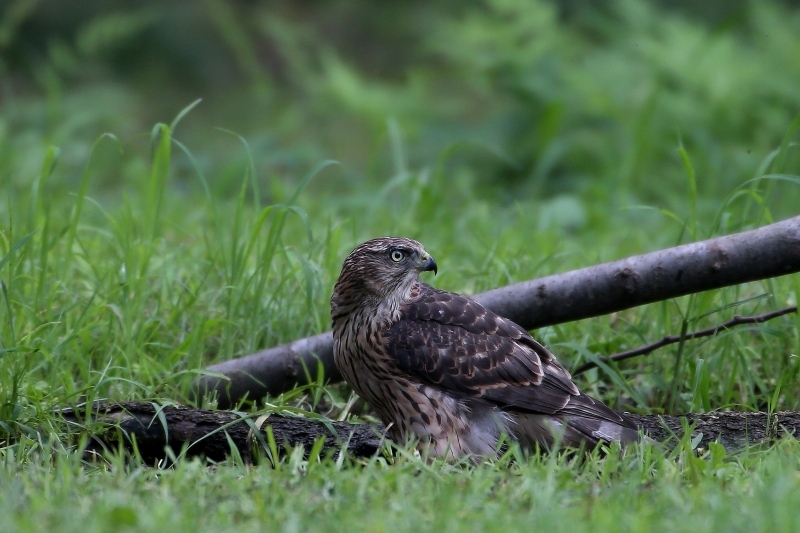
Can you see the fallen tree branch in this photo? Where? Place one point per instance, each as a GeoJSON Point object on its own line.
{"type": "Point", "coordinates": [672, 339]}
{"type": "Point", "coordinates": [762, 253]}
{"type": "Point", "coordinates": [217, 435]}
{"type": "Point", "coordinates": [211, 434]}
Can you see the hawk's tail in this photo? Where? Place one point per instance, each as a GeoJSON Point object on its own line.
{"type": "Point", "coordinates": [593, 431]}
{"type": "Point", "coordinates": [574, 430]}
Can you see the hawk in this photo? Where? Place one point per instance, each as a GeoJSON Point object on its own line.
{"type": "Point", "coordinates": [442, 369]}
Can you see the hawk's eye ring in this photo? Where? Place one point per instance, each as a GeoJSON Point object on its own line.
{"type": "Point", "coordinates": [397, 255]}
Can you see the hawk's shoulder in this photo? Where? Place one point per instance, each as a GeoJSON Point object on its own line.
{"type": "Point", "coordinates": [453, 309]}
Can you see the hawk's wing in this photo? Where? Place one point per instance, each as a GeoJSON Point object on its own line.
{"type": "Point", "coordinates": [457, 345]}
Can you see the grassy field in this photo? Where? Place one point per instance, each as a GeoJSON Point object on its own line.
{"type": "Point", "coordinates": [143, 238]}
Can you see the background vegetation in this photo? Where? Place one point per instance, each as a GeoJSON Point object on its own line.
{"type": "Point", "coordinates": [145, 235]}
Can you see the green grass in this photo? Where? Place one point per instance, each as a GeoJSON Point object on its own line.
{"type": "Point", "coordinates": [129, 298]}
{"type": "Point", "coordinates": [642, 491]}
{"type": "Point", "coordinates": [131, 260]}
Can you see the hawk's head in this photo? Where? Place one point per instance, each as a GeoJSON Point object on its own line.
{"type": "Point", "coordinates": [382, 268]}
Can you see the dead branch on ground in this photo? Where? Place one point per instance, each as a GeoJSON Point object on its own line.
{"type": "Point", "coordinates": [216, 435]}
{"type": "Point", "coordinates": [672, 339]}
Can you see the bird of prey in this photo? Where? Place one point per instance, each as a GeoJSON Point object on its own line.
{"type": "Point", "coordinates": [445, 371]}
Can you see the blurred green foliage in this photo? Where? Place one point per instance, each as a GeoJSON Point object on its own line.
{"type": "Point", "coordinates": [525, 99]}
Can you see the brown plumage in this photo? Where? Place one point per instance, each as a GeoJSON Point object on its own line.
{"type": "Point", "coordinates": [443, 369]}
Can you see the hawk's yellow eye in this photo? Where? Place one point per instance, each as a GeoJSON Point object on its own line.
{"type": "Point", "coordinates": [397, 255]}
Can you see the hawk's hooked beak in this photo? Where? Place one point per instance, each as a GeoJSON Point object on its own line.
{"type": "Point", "coordinates": [427, 263]}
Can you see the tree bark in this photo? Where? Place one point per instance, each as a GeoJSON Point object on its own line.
{"type": "Point", "coordinates": [150, 429]}
{"type": "Point", "coordinates": [762, 253]}
{"type": "Point", "coordinates": [216, 434]}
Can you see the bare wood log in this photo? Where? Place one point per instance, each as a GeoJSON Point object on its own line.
{"type": "Point", "coordinates": [766, 252]}
{"type": "Point", "coordinates": [761, 253]}
{"type": "Point", "coordinates": [271, 371]}
{"type": "Point", "coordinates": [732, 430]}
{"type": "Point", "coordinates": [214, 434]}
